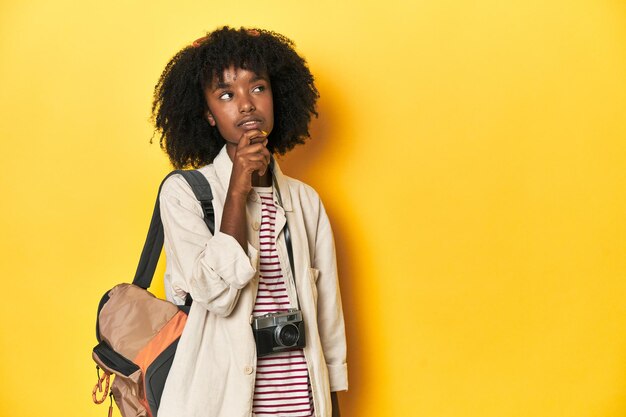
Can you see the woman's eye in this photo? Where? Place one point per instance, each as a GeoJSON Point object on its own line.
{"type": "Point", "coordinates": [225, 96]}
{"type": "Point", "coordinates": [258, 89]}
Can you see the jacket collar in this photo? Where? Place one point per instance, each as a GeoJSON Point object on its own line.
{"type": "Point", "coordinates": [224, 166]}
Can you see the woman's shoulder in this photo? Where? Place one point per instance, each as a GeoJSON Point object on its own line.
{"type": "Point", "coordinates": [303, 194]}
{"type": "Point", "coordinates": [175, 184]}
{"type": "Point", "coordinates": [175, 180]}
{"type": "Point", "coordinates": [299, 185]}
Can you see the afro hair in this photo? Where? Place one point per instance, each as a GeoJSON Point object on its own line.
{"type": "Point", "coordinates": [179, 105]}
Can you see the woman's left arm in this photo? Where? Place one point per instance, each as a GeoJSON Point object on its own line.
{"type": "Point", "coordinates": [330, 319]}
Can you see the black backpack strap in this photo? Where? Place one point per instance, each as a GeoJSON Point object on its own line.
{"type": "Point", "coordinates": [154, 241]}
{"type": "Point", "coordinates": [202, 190]}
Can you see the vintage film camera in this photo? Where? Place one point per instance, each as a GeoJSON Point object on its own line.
{"type": "Point", "coordinates": [277, 332]}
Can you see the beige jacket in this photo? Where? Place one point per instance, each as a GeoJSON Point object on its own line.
{"type": "Point", "coordinates": [213, 373]}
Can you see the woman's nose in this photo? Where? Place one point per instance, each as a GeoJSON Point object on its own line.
{"type": "Point", "coordinates": [246, 104]}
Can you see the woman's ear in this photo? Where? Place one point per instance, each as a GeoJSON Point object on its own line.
{"type": "Point", "coordinates": [210, 118]}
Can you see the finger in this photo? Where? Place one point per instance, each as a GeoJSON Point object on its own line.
{"type": "Point", "coordinates": [262, 155]}
{"type": "Point", "coordinates": [265, 167]}
{"type": "Point", "coordinates": [256, 157]}
{"type": "Point", "coordinates": [245, 138]}
{"type": "Point", "coordinates": [253, 133]}
{"type": "Point", "coordinates": [256, 166]}
{"type": "Point", "coordinates": [262, 140]}
{"type": "Point", "coordinates": [266, 153]}
{"type": "Point", "coordinates": [255, 148]}
{"type": "Point", "coordinates": [250, 159]}
{"type": "Point", "coordinates": [259, 137]}
{"type": "Point", "coordinates": [256, 152]}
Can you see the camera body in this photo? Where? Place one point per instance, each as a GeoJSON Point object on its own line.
{"type": "Point", "coordinates": [277, 332]}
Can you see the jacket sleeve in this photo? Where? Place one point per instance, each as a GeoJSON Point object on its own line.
{"type": "Point", "coordinates": [329, 308]}
{"type": "Point", "coordinates": [212, 268]}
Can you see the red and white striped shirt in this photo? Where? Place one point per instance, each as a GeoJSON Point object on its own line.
{"type": "Point", "coordinates": [282, 387]}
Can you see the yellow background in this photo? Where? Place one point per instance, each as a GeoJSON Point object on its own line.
{"type": "Point", "coordinates": [471, 156]}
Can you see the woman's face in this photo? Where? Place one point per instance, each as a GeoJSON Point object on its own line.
{"type": "Point", "coordinates": [242, 101]}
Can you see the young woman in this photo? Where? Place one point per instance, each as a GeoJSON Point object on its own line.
{"type": "Point", "coordinates": [225, 105]}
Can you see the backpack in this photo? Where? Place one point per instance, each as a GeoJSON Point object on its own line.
{"type": "Point", "coordinates": [137, 332]}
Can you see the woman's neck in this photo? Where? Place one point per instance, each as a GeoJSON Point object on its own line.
{"type": "Point", "coordinates": [264, 181]}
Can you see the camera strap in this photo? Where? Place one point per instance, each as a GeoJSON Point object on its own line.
{"type": "Point", "coordinates": [286, 228]}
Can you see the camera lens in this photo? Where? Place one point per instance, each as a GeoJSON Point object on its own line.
{"type": "Point", "coordinates": [287, 335]}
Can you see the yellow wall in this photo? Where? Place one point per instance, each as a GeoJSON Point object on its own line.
{"type": "Point", "coordinates": [471, 155]}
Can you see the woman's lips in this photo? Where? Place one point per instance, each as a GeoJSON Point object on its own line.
{"type": "Point", "coordinates": [252, 124]}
